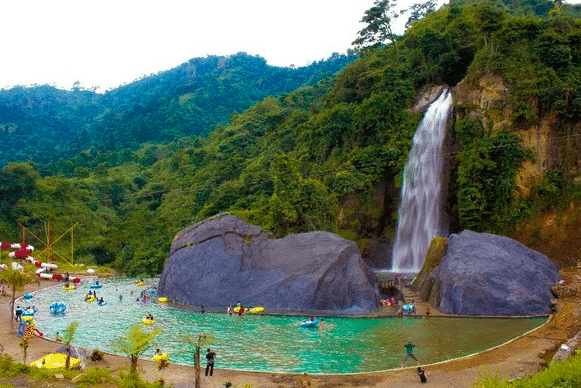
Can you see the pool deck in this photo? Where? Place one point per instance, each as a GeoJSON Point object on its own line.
{"type": "Point", "coordinates": [519, 358]}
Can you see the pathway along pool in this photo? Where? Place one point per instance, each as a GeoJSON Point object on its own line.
{"type": "Point", "coordinates": [272, 343]}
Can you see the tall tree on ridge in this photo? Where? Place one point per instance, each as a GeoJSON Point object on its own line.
{"type": "Point", "coordinates": [379, 21]}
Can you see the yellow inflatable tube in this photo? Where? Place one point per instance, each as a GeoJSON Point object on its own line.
{"type": "Point", "coordinates": [163, 299]}
{"type": "Point", "coordinates": [161, 357]}
{"type": "Point", "coordinates": [90, 298]}
{"type": "Point", "coordinates": [139, 284]}
{"type": "Point", "coordinates": [69, 288]}
{"type": "Point", "coordinates": [256, 310]}
{"type": "Point", "coordinates": [147, 321]}
{"type": "Point", "coordinates": [55, 360]}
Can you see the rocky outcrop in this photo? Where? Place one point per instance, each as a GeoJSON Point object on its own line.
{"type": "Point", "coordinates": [485, 274]}
{"type": "Point", "coordinates": [568, 349]}
{"type": "Point", "coordinates": [222, 260]}
{"type": "Point", "coordinates": [487, 100]}
{"type": "Point", "coordinates": [427, 97]}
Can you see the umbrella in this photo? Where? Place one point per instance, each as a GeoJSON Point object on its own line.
{"type": "Point", "coordinates": [75, 352]}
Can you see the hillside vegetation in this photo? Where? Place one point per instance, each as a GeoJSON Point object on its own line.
{"type": "Point", "coordinates": [44, 124]}
{"type": "Point", "coordinates": [328, 156]}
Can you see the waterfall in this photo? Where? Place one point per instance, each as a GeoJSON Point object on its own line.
{"type": "Point", "coordinates": [420, 213]}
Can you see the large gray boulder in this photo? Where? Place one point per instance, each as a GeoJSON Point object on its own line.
{"type": "Point", "coordinates": [222, 260]}
{"type": "Point", "coordinates": [485, 274]}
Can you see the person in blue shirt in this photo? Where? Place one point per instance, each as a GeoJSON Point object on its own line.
{"type": "Point", "coordinates": [18, 312]}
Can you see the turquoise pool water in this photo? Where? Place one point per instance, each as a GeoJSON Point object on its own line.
{"type": "Point", "coordinates": [272, 343]}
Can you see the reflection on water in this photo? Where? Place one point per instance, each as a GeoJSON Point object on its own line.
{"type": "Point", "coordinates": [273, 343]}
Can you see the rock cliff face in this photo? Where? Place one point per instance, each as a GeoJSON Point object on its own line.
{"type": "Point", "coordinates": [488, 101]}
{"type": "Point", "coordinates": [222, 260]}
{"type": "Point", "coordinates": [484, 274]}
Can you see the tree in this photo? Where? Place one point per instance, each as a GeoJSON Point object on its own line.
{"type": "Point", "coordinates": [16, 181]}
{"type": "Point", "coordinates": [24, 345]}
{"type": "Point", "coordinates": [17, 280]}
{"type": "Point", "coordinates": [133, 343]}
{"type": "Point", "coordinates": [67, 339]}
{"type": "Point", "coordinates": [197, 342]}
{"type": "Point", "coordinates": [420, 10]}
{"type": "Point", "coordinates": [379, 21]}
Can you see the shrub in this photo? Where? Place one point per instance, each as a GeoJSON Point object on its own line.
{"type": "Point", "coordinates": [95, 377]}
{"type": "Point", "coordinates": [132, 380]}
{"type": "Point", "coordinates": [10, 368]}
{"type": "Point", "coordinates": [97, 355]}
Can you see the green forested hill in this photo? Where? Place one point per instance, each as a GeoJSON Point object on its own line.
{"type": "Point", "coordinates": [44, 124]}
{"type": "Point", "coordinates": [327, 156]}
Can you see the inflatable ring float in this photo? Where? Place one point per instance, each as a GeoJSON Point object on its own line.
{"type": "Point", "coordinates": [161, 357]}
{"type": "Point", "coordinates": [146, 321]}
{"type": "Point", "coordinates": [28, 312]}
{"type": "Point", "coordinates": [69, 288]}
{"type": "Point", "coordinates": [95, 286]}
{"type": "Point", "coordinates": [256, 310]}
{"type": "Point", "coordinates": [90, 298]}
{"type": "Point", "coordinates": [58, 308]}
{"type": "Point", "coordinates": [310, 323]}
{"type": "Point", "coordinates": [139, 284]}
{"type": "Point", "coordinates": [163, 299]}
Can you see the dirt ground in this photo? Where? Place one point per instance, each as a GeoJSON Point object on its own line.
{"type": "Point", "coordinates": [519, 358]}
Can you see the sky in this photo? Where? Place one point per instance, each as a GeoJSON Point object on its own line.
{"type": "Point", "coordinates": [107, 43]}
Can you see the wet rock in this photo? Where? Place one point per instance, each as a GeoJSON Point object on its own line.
{"type": "Point", "coordinates": [222, 260]}
{"type": "Point", "coordinates": [485, 274]}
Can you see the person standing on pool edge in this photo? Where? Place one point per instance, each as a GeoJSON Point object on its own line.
{"type": "Point", "coordinates": [409, 353]}
{"type": "Point", "coordinates": [210, 357]}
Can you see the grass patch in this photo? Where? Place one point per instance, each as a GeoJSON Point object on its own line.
{"type": "Point", "coordinates": [96, 377]}
{"type": "Point", "coordinates": [10, 368]}
{"type": "Point", "coordinates": [560, 374]}
{"type": "Point", "coordinates": [43, 374]}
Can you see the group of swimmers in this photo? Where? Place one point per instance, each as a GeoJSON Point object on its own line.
{"type": "Point", "coordinates": [92, 294]}
{"type": "Point", "coordinates": [240, 309]}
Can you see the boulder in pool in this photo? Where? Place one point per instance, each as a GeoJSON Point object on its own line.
{"type": "Point", "coordinates": [486, 274]}
{"type": "Point", "coordinates": [222, 260]}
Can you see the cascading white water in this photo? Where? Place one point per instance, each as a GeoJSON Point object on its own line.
{"type": "Point", "coordinates": [420, 210]}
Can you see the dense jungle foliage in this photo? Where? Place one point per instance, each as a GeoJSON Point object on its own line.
{"type": "Point", "coordinates": [328, 156]}
{"type": "Point", "coordinates": [44, 124]}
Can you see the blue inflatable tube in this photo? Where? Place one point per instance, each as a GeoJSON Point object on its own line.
{"type": "Point", "coordinates": [310, 323]}
{"type": "Point", "coordinates": [27, 296]}
{"type": "Point", "coordinates": [28, 312]}
{"type": "Point", "coordinates": [58, 308]}
{"type": "Point", "coordinates": [95, 286]}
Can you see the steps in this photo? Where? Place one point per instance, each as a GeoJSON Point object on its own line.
{"type": "Point", "coordinates": [410, 295]}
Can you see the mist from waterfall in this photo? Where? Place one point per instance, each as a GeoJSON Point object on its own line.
{"type": "Point", "coordinates": [420, 211]}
